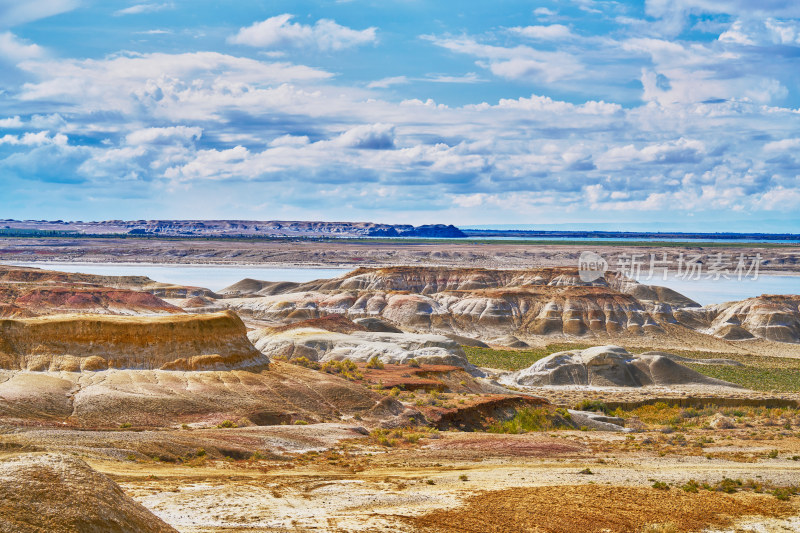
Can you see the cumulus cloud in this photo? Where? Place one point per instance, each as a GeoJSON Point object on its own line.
{"type": "Point", "coordinates": [279, 32]}
{"type": "Point", "coordinates": [15, 49]}
{"type": "Point", "coordinates": [34, 139]}
{"type": "Point", "coordinates": [369, 136]}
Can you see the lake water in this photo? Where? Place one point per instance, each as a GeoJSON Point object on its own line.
{"type": "Point", "coordinates": [710, 291]}
{"type": "Point", "coordinates": [210, 277]}
{"type": "Point", "coordinates": [703, 291]}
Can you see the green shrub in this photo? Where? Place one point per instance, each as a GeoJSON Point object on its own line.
{"type": "Point", "coordinates": [660, 485]}
{"type": "Point", "coordinates": [413, 363]}
{"type": "Point", "coordinates": [526, 419]}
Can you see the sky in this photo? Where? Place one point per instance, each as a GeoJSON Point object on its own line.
{"type": "Point", "coordinates": [674, 115]}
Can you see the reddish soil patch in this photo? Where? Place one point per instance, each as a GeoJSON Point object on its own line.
{"type": "Point", "coordinates": [335, 323]}
{"type": "Point", "coordinates": [590, 508]}
{"type": "Point", "coordinates": [407, 377]}
{"type": "Point", "coordinates": [510, 445]}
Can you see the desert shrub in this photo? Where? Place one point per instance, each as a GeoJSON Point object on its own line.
{"type": "Point", "coordinates": [525, 420]}
{"type": "Point", "coordinates": [375, 363]}
{"type": "Point", "coordinates": [413, 363]}
{"type": "Point", "coordinates": [690, 486]}
{"type": "Point", "coordinates": [463, 477]}
{"type": "Point", "coordinates": [125, 425]}
{"type": "Point", "coordinates": [660, 485]}
{"type": "Point", "coordinates": [226, 424]}
{"type": "Point", "coordinates": [345, 368]}
{"type": "Point", "coordinates": [593, 405]}
{"type": "Point", "coordinates": [306, 363]}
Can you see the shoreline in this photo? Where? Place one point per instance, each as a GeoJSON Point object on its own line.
{"type": "Point", "coordinates": [321, 266]}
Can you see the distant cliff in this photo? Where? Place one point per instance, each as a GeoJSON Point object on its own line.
{"type": "Point", "coordinates": [233, 228]}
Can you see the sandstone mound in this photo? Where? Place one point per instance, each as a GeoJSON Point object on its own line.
{"type": "Point", "coordinates": [15, 274]}
{"type": "Point", "coordinates": [96, 342]}
{"type": "Point", "coordinates": [607, 366]}
{"type": "Point", "coordinates": [156, 398]}
{"type": "Point", "coordinates": [771, 317]}
{"type": "Point", "coordinates": [61, 493]}
{"type": "Point", "coordinates": [473, 302]}
{"type": "Point", "coordinates": [360, 346]}
{"type": "Point", "coordinates": [254, 287]}
{"type": "Point", "coordinates": [42, 300]}
{"type": "Point", "coordinates": [335, 323]}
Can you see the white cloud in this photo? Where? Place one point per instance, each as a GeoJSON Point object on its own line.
{"type": "Point", "coordinates": [279, 32]}
{"type": "Point", "coordinates": [675, 13]}
{"type": "Point", "coordinates": [11, 122]}
{"type": "Point", "coordinates": [544, 12]}
{"type": "Point", "coordinates": [384, 83]}
{"type": "Point", "coordinates": [783, 145]}
{"type": "Point", "coordinates": [15, 12]}
{"type": "Point", "coordinates": [137, 81]}
{"type": "Point", "coordinates": [369, 136]}
{"type": "Point", "coordinates": [139, 9]}
{"type": "Point", "coordinates": [517, 63]}
{"type": "Point", "coordinates": [552, 32]}
{"type": "Point", "coordinates": [13, 48]}
{"type": "Point", "coordinates": [34, 139]}
{"type": "Point", "coordinates": [164, 135]}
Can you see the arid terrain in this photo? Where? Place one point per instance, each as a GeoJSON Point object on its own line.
{"type": "Point", "coordinates": [400, 398]}
{"type": "Point", "coordinates": [376, 253]}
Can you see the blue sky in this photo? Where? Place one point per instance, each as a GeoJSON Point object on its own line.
{"type": "Point", "coordinates": [662, 114]}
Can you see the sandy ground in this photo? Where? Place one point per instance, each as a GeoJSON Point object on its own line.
{"type": "Point", "coordinates": [464, 481]}
{"type": "Point", "coordinates": [783, 259]}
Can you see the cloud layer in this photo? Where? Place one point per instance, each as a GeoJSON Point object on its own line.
{"type": "Point", "coordinates": [687, 107]}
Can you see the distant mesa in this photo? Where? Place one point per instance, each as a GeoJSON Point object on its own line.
{"type": "Point", "coordinates": [235, 228]}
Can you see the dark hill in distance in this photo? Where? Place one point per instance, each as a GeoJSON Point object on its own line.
{"type": "Point", "coordinates": [233, 228]}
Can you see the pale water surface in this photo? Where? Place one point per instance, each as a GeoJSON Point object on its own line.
{"type": "Point", "coordinates": [211, 277]}
{"type": "Point", "coordinates": [215, 278]}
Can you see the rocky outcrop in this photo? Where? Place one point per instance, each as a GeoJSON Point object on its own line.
{"type": "Point", "coordinates": [284, 393]}
{"type": "Point", "coordinates": [470, 302]}
{"type": "Point", "coordinates": [607, 366]}
{"type": "Point", "coordinates": [46, 300]}
{"type": "Point", "coordinates": [771, 317]}
{"type": "Point", "coordinates": [359, 346]}
{"type": "Point", "coordinates": [61, 493]}
{"type": "Point", "coordinates": [97, 342]}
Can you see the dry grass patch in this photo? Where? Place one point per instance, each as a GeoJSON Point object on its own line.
{"type": "Point", "coordinates": [589, 508]}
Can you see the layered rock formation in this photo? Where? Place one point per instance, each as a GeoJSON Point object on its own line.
{"type": "Point", "coordinates": [98, 342]}
{"type": "Point", "coordinates": [607, 366]}
{"type": "Point", "coordinates": [318, 344]}
{"type": "Point", "coordinates": [493, 304]}
{"type": "Point", "coordinates": [775, 318]}
{"type": "Point", "coordinates": [32, 291]}
{"type": "Point", "coordinates": [472, 302]}
{"type": "Point", "coordinates": [61, 493]}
